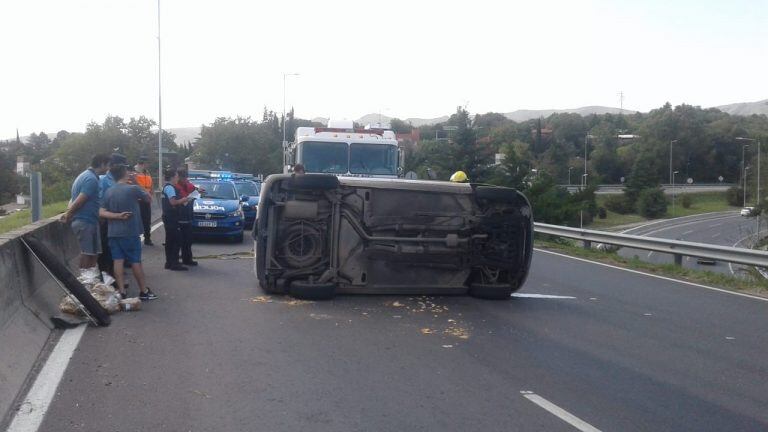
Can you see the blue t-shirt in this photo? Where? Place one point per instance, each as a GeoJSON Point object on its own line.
{"type": "Point", "coordinates": [106, 182]}
{"type": "Point", "coordinates": [169, 191]}
{"type": "Point", "coordinates": [87, 183]}
{"type": "Point", "coordinates": [124, 198]}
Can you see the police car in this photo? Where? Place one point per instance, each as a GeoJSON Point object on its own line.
{"type": "Point", "coordinates": [218, 213]}
{"type": "Point", "coordinates": [249, 196]}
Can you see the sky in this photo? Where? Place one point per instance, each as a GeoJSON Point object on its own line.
{"type": "Point", "coordinates": [67, 63]}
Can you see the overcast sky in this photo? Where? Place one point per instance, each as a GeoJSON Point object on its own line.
{"type": "Point", "coordinates": [68, 62]}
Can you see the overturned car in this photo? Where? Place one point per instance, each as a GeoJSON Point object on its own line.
{"type": "Point", "coordinates": [317, 235]}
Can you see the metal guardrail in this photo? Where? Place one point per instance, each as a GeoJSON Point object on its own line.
{"type": "Point", "coordinates": [677, 248]}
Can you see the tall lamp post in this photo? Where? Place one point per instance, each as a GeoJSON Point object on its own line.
{"type": "Point", "coordinates": [581, 212]}
{"type": "Point", "coordinates": [670, 160]}
{"type": "Point", "coordinates": [159, 106]}
{"type": "Point", "coordinates": [673, 192]}
{"type": "Point", "coordinates": [569, 175]}
{"type": "Point", "coordinates": [759, 204]}
{"type": "Point", "coordinates": [284, 76]}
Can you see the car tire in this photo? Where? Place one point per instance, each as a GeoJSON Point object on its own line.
{"type": "Point", "coordinates": [312, 291]}
{"type": "Point", "coordinates": [491, 292]}
{"type": "Point", "coordinates": [62, 273]}
{"type": "Point", "coordinates": [314, 182]}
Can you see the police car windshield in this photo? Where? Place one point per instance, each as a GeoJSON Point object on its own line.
{"type": "Point", "coordinates": [218, 190]}
{"type": "Point", "coordinates": [247, 188]}
{"type": "Point", "coordinates": [373, 159]}
{"type": "Point", "coordinates": [324, 157]}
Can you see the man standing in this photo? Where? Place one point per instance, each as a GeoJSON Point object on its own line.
{"type": "Point", "coordinates": [83, 211]}
{"type": "Point", "coordinates": [144, 180]}
{"type": "Point", "coordinates": [172, 204]}
{"type": "Point", "coordinates": [186, 214]}
{"type": "Point", "coordinates": [120, 207]}
{"type": "Point", "coordinates": [106, 264]}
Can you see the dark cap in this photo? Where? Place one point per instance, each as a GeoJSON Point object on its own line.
{"type": "Point", "coordinates": [117, 159]}
{"type": "Point", "coordinates": [142, 159]}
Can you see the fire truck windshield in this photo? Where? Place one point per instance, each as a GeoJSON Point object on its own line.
{"type": "Point", "coordinates": [373, 159]}
{"type": "Point", "coordinates": [324, 157]}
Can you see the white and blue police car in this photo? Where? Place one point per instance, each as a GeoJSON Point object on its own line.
{"type": "Point", "coordinates": [218, 213]}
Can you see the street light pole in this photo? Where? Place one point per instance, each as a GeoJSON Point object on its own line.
{"type": "Point", "coordinates": [673, 192]}
{"type": "Point", "coordinates": [670, 159]}
{"type": "Point", "coordinates": [757, 204]}
{"type": "Point", "coordinates": [159, 105]}
{"type": "Point", "coordinates": [569, 175]}
{"type": "Point", "coordinates": [285, 75]}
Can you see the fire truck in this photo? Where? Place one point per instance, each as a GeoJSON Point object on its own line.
{"type": "Point", "coordinates": [343, 150]}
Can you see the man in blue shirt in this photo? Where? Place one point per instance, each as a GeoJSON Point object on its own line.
{"type": "Point", "coordinates": [105, 261]}
{"type": "Point", "coordinates": [120, 207]}
{"type": "Point", "coordinates": [83, 211]}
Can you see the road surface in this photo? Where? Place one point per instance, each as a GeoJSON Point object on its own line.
{"type": "Point", "coordinates": [724, 229]}
{"type": "Point", "coordinates": [609, 350]}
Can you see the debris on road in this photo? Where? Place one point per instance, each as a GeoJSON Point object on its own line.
{"type": "Point", "coordinates": [130, 304]}
{"type": "Point", "coordinates": [287, 301]}
{"type": "Point", "coordinates": [427, 331]}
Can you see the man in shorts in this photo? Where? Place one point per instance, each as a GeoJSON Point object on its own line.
{"type": "Point", "coordinates": [120, 207]}
{"type": "Point", "coordinates": [83, 211]}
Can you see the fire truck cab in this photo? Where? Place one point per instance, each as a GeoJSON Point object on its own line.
{"type": "Point", "coordinates": [342, 150]}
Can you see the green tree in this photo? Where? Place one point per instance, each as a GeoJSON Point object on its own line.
{"type": "Point", "coordinates": [652, 203]}
{"type": "Point", "coordinates": [643, 176]}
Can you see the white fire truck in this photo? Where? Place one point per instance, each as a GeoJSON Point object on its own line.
{"type": "Point", "coordinates": [342, 150]}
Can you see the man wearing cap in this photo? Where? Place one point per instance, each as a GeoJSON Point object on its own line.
{"type": "Point", "coordinates": [144, 180]}
{"type": "Point", "coordinates": [106, 264]}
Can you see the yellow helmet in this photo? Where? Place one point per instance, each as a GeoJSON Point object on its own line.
{"type": "Point", "coordinates": [459, 177]}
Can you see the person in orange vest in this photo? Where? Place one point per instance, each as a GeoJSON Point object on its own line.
{"type": "Point", "coordinates": [144, 180]}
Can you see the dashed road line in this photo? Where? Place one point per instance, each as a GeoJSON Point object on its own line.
{"type": "Point", "coordinates": [559, 412]}
{"type": "Point", "coordinates": [541, 296]}
{"type": "Point", "coordinates": [32, 411]}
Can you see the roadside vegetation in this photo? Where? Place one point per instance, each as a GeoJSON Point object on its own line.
{"type": "Point", "coordinates": [748, 282]}
{"type": "Point", "coordinates": [686, 204]}
{"type": "Point", "coordinates": [24, 217]}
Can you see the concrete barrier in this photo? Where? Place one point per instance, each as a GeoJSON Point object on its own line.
{"type": "Point", "coordinates": [29, 297]}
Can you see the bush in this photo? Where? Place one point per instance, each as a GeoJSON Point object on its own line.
{"type": "Point", "coordinates": [601, 213]}
{"type": "Point", "coordinates": [686, 200]}
{"type": "Point", "coordinates": [620, 204]}
{"type": "Point", "coordinates": [652, 203]}
{"type": "Point", "coordinates": [735, 196]}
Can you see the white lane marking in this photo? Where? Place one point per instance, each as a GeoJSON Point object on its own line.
{"type": "Point", "coordinates": [650, 253]}
{"type": "Point", "coordinates": [716, 235]}
{"type": "Point", "coordinates": [687, 232]}
{"type": "Point", "coordinates": [38, 400]}
{"type": "Point", "coordinates": [717, 215]}
{"type": "Point", "coordinates": [541, 296]}
{"type": "Point", "coordinates": [656, 276]}
{"type": "Point", "coordinates": [559, 412]}
{"type": "Point", "coordinates": [153, 229]}
{"type": "Point", "coordinates": [716, 225]}
{"type": "Point", "coordinates": [677, 226]}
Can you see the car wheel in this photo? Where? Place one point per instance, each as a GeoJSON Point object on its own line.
{"type": "Point", "coordinates": [312, 291]}
{"type": "Point", "coordinates": [491, 292]}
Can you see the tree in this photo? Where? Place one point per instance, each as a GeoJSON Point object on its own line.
{"type": "Point", "coordinates": [400, 127]}
{"type": "Point", "coordinates": [652, 203]}
{"type": "Point", "coordinates": [642, 176]}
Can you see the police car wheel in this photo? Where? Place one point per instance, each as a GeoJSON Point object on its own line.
{"type": "Point", "coordinates": [312, 291]}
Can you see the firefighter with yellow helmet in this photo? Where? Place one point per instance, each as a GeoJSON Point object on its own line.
{"type": "Point", "coordinates": [459, 177]}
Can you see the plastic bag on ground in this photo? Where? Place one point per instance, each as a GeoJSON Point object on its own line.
{"type": "Point", "coordinates": [89, 276]}
{"type": "Point", "coordinates": [130, 304]}
{"type": "Point", "coordinates": [70, 305]}
{"type": "Point", "coordinates": [108, 280]}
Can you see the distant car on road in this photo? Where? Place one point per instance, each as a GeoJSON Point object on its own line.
{"type": "Point", "coordinates": [747, 211]}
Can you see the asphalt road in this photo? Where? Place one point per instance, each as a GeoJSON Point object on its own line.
{"type": "Point", "coordinates": [724, 229]}
{"type": "Point", "coordinates": [628, 352]}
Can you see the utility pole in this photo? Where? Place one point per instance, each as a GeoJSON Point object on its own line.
{"type": "Point", "coordinates": [670, 160]}
{"type": "Point", "coordinates": [159, 106]}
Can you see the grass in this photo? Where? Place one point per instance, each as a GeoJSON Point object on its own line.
{"type": "Point", "coordinates": [749, 284]}
{"type": "Point", "coordinates": [707, 202]}
{"type": "Point", "coordinates": [24, 217]}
